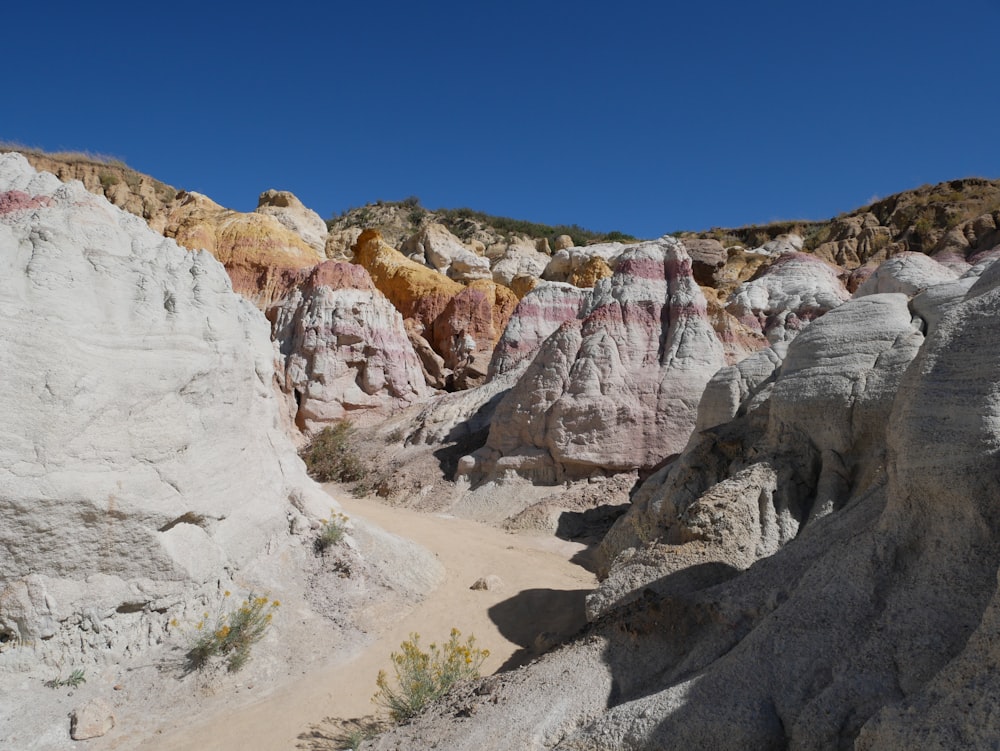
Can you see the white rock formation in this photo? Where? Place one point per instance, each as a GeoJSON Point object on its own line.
{"type": "Point", "coordinates": [908, 273]}
{"type": "Point", "coordinates": [787, 295]}
{"type": "Point", "coordinates": [143, 468]}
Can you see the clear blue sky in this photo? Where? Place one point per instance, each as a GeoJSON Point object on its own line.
{"type": "Point", "coordinates": [634, 116]}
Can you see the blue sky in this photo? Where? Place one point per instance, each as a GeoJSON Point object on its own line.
{"type": "Point", "coordinates": [616, 116]}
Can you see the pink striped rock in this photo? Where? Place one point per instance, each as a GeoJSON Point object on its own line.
{"type": "Point", "coordinates": [344, 348]}
{"type": "Point", "coordinates": [617, 389]}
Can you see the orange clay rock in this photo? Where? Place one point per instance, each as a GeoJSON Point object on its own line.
{"type": "Point", "coordinates": [595, 269]}
{"type": "Point", "coordinates": [461, 323]}
{"type": "Point", "coordinates": [259, 253]}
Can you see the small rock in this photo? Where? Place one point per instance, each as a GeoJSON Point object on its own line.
{"type": "Point", "coordinates": [92, 720]}
{"type": "Point", "coordinates": [490, 583]}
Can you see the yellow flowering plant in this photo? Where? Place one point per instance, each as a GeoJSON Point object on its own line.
{"type": "Point", "coordinates": [421, 677]}
{"type": "Point", "coordinates": [233, 633]}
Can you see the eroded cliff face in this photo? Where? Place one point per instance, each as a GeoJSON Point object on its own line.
{"type": "Point", "coordinates": [817, 570]}
{"type": "Point", "coordinates": [144, 468]}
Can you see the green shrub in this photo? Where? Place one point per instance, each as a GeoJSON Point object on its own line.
{"type": "Point", "coordinates": [107, 180]}
{"type": "Point", "coordinates": [332, 457]}
{"type": "Point", "coordinates": [74, 680]}
{"type": "Point", "coordinates": [331, 532]}
{"type": "Point", "coordinates": [233, 634]}
{"type": "Point", "coordinates": [421, 677]}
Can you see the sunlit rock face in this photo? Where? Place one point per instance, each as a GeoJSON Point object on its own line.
{"type": "Point", "coordinates": [141, 455]}
{"type": "Point", "coordinates": [786, 295]}
{"type": "Point", "coordinates": [261, 254]}
{"type": "Point", "coordinates": [345, 351]}
{"type": "Point", "coordinates": [617, 388]}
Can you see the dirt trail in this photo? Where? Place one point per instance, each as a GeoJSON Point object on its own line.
{"type": "Point", "coordinates": [543, 592]}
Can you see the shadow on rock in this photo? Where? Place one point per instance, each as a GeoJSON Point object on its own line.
{"type": "Point", "coordinates": [537, 620]}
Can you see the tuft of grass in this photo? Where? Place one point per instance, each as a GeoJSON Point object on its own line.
{"type": "Point", "coordinates": [74, 680]}
{"type": "Point", "coordinates": [331, 532]}
{"type": "Point", "coordinates": [332, 457]}
{"type": "Point", "coordinates": [422, 677]}
{"type": "Point", "coordinates": [233, 634]}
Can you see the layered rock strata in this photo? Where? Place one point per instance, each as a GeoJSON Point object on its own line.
{"type": "Point", "coordinates": [615, 389]}
{"type": "Point", "coordinates": [345, 350]}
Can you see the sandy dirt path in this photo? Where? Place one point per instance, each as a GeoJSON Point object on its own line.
{"type": "Point", "coordinates": [542, 592]}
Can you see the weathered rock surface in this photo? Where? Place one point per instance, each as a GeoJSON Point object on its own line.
{"type": "Point", "coordinates": [462, 323]}
{"type": "Point", "coordinates": [91, 720]}
{"type": "Point", "coordinates": [142, 439]}
{"type": "Point", "coordinates": [786, 295]}
{"type": "Point", "coordinates": [345, 350]}
{"type": "Point", "coordinates": [517, 261]}
{"type": "Point", "coordinates": [567, 261]}
{"type": "Point", "coordinates": [908, 273]}
{"type": "Point", "coordinates": [289, 211]}
{"type": "Point", "coordinates": [260, 254]}
{"type": "Point", "coordinates": [536, 317]}
{"type": "Point", "coordinates": [617, 389]}
{"type": "Point", "coordinates": [436, 247]}
{"type": "Point", "coordinates": [873, 627]}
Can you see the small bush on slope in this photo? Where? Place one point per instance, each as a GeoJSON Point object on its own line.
{"type": "Point", "coordinates": [422, 677]}
{"type": "Point", "coordinates": [331, 456]}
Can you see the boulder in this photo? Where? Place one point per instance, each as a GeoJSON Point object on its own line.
{"type": "Point", "coordinates": [91, 720]}
{"type": "Point", "coordinates": [518, 260]}
{"type": "Point", "coordinates": [345, 351]}
{"type": "Point", "coordinates": [290, 212]}
{"type": "Point", "coordinates": [567, 261]}
{"type": "Point", "coordinates": [592, 271]}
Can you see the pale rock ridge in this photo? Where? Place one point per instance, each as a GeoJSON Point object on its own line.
{"type": "Point", "coordinates": [345, 349]}
{"type": "Point", "coordinates": [290, 211]}
{"type": "Point", "coordinates": [627, 376]}
{"type": "Point", "coordinates": [786, 295]}
{"type": "Point", "coordinates": [908, 273]}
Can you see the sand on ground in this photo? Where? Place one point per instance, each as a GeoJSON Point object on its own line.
{"type": "Point", "coordinates": [542, 593]}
